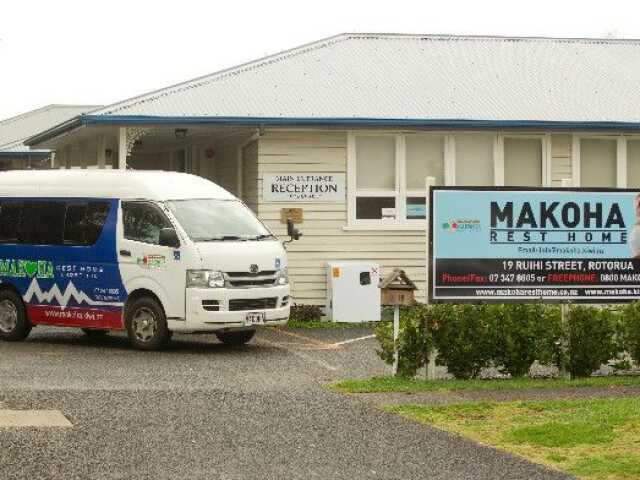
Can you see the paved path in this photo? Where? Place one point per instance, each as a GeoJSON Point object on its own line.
{"type": "Point", "coordinates": [205, 411]}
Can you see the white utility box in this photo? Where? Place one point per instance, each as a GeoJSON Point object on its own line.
{"type": "Point", "coordinates": [352, 291]}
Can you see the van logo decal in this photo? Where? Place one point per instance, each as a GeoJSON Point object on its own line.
{"type": "Point", "coordinates": [152, 261]}
{"type": "Point", "coordinates": [19, 268]}
{"type": "Point", "coordinates": [254, 268]}
{"type": "Point", "coordinates": [61, 298]}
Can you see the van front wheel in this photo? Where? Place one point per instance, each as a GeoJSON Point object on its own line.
{"type": "Point", "coordinates": [236, 338]}
{"type": "Point", "coordinates": [146, 324]}
{"type": "Point", "coordinates": [14, 324]}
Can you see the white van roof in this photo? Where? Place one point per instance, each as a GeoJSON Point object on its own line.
{"type": "Point", "coordinates": [121, 184]}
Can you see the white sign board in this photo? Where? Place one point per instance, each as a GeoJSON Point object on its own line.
{"type": "Point", "coordinates": [304, 187]}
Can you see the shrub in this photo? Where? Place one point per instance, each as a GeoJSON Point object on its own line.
{"type": "Point", "coordinates": [305, 313]}
{"type": "Point", "coordinates": [631, 330]}
{"type": "Point", "coordinates": [519, 332]}
{"type": "Point", "coordinates": [414, 340]}
{"type": "Point", "coordinates": [462, 335]}
{"type": "Point", "coordinates": [590, 338]}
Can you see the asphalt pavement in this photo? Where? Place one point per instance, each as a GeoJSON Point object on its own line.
{"type": "Point", "coordinates": [202, 410]}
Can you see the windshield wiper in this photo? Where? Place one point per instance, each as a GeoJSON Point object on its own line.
{"type": "Point", "coordinates": [264, 236]}
{"type": "Point", "coordinates": [223, 238]}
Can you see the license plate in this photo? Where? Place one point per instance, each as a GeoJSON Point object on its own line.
{"type": "Point", "coordinates": [255, 318]}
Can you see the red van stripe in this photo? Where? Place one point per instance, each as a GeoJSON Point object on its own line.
{"type": "Point", "coordinates": [81, 317]}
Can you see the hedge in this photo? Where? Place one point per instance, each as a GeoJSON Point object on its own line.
{"type": "Point", "coordinates": [511, 337]}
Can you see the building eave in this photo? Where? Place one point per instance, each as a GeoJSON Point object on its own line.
{"type": "Point", "coordinates": [436, 124]}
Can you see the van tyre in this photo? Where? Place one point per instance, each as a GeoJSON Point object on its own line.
{"type": "Point", "coordinates": [94, 332]}
{"type": "Point", "coordinates": [146, 324]}
{"type": "Point", "coordinates": [14, 324]}
{"type": "Point", "coordinates": [236, 338]}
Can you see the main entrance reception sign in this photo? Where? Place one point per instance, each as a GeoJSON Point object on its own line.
{"type": "Point", "coordinates": [521, 244]}
{"type": "Point", "coordinates": [304, 187]}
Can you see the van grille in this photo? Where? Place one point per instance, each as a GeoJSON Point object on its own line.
{"type": "Point", "coordinates": [240, 304]}
{"type": "Point", "coordinates": [211, 305]}
{"type": "Point", "coordinates": [265, 278]}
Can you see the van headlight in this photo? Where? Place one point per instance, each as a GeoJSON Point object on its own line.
{"type": "Point", "coordinates": [205, 279]}
{"type": "Point", "coordinates": [282, 277]}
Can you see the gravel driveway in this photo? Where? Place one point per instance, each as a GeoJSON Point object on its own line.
{"type": "Point", "coordinates": [203, 410]}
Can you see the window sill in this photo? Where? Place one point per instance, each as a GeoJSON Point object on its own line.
{"type": "Point", "coordinates": [395, 227]}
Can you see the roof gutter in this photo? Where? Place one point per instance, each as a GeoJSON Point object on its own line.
{"type": "Point", "coordinates": [441, 124]}
{"type": "Point", "coordinates": [22, 154]}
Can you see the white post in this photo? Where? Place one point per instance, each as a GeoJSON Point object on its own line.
{"type": "Point", "coordinates": [122, 148]}
{"type": "Point", "coordinates": [431, 365]}
{"type": "Point", "coordinates": [564, 318]}
{"type": "Point", "coordinates": [396, 334]}
{"type": "Point", "coordinates": [621, 163]}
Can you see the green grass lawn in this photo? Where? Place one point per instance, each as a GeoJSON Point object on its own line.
{"type": "Point", "coordinates": [595, 439]}
{"type": "Point", "coordinates": [395, 384]}
{"type": "Point", "coordinates": [320, 324]}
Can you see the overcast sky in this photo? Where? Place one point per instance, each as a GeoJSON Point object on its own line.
{"type": "Point", "coordinates": [90, 52]}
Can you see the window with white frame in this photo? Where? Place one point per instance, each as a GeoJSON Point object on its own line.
{"type": "Point", "coordinates": [523, 161]}
{"type": "Point", "coordinates": [598, 162]}
{"type": "Point", "coordinates": [424, 157]}
{"type": "Point", "coordinates": [475, 163]}
{"type": "Point", "coordinates": [390, 173]}
{"type": "Point", "coordinates": [387, 171]}
{"type": "Point", "coordinates": [633, 163]}
{"type": "Point", "coordinates": [376, 179]}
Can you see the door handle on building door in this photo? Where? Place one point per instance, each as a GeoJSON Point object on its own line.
{"type": "Point", "coordinates": [125, 253]}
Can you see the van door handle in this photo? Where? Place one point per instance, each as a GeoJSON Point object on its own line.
{"type": "Point", "coordinates": [125, 253]}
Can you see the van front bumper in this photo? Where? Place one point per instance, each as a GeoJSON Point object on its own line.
{"type": "Point", "coordinates": [215, 309]}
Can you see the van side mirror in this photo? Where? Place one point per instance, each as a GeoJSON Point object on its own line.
{"type": "Point", "coordinates": [168, 238]}
{"type": "Point", "coordinates": [292, 231]}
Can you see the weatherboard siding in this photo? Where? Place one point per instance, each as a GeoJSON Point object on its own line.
{"type": "Point", "coordinates": [324, 238]}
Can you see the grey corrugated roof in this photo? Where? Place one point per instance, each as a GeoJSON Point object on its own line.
{"type": "Point", "coordinates": [13, 131]}
{"type": "Point", "coordinates": [388, 76]}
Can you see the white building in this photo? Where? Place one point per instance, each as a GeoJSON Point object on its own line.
{"type": "Point", "coordinates": [13, 131]}
{"type": "Point", "coordinates": [384, 111]}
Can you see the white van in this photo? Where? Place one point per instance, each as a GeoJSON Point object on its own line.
{"type": "Point", "coordinates": [150, 252]}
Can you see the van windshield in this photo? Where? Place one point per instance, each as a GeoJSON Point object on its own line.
{"type": "Point", "coordinates": [209, 220]}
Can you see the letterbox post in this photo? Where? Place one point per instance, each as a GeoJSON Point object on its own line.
{"type": "Point", "coordinates": [396, 334]}
{"type": "Point", "coordinates": [397, 290]}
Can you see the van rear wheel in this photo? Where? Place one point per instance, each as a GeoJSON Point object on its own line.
{"type": "Point", "coordinates": [146, 324]}
{"type": "Point", "coordinates": [236, 338]}
{"type": "Point", "coordinates": [14, 324]}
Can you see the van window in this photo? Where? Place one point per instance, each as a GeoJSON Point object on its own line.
{"type": "Point", "coordinates": [84, 222]}
{"type": "Point", "coordinates": [74, 224]}
{"type": "Point", "coordinates": [10, 218]}
{"type": "Point", "coordinates": [143, 222]}
{"type": "Point", "coordinates": [207, 220]}
{"type": "Point", "coordinates": [52, 222]}
{"type": "Point", "coordinates": [96, 217]}
{"type": "Point", "coordinates": [42, 223]}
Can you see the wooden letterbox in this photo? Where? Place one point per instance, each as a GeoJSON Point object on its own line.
{"type": "Point", "coordinates": [397, 289]}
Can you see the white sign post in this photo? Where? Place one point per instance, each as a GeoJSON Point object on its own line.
{"type": "Point", "coordinates": [304, 187]}
{"type": "Point", "coordinates": [396, 334]}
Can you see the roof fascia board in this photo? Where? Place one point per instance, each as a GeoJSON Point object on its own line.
{"type": "Point", "coordinates": [356, 122]}
{"type": "Point", "coordinates": [436, 124]}
{"type": "Point", "coordinates": [35, 153]}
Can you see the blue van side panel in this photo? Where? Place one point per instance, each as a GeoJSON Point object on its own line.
{"type": "Point", "coordinates": [69, 285]}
